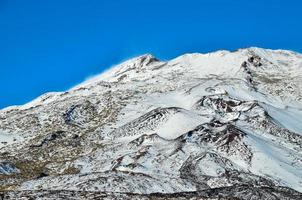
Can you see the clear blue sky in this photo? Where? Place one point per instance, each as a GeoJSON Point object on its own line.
{"type": "Point", "coordinates": [51, 45]}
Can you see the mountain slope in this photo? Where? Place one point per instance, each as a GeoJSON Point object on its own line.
{"type": "Point", "coordinates": [187, 127]}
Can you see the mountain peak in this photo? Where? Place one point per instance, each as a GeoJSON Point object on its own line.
{"type": "Point", "coordinates": [214, 121]}
{"type": "Point", "coordinates": [141, 61]}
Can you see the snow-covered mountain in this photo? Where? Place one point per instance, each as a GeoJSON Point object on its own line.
{"type": "Point", "coordinates": [217, 125]}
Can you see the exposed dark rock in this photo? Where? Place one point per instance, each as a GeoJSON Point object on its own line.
{"type": "Point", "coordinates": [42, 175]}
{"type": "Point", "coordinates": [238, 192]}
{"type": "Point", "coordinates": [50, 138]}
{"type": "Point", "coordinates": [255, 61]}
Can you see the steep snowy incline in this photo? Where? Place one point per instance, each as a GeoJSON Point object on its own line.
{"type": "Point", "coordinates": [199, 125]}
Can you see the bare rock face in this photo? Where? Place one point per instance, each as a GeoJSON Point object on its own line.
{"type": "Point", "coordinates": [222, 125]}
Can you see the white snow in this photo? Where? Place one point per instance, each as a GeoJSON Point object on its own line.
{"type": "Point", "coordinates": [9, 138]}
{"type": "Point", "coordinates": [179, 124]}
{"type": "Point", "coordinates": [275, 162]}
{"type": "Point", "coordinates": [290, 118]}
{"type": "Point", "coordinates": [143, 84]}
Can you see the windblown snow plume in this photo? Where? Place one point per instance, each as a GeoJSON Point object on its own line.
{"type": "Point", "coordinates": [221, 125]}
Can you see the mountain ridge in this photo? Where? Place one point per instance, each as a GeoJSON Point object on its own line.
{"type": "Point", "coordinates": [149, 55]}
{"type": "Point", "coordinates": [196, 123]}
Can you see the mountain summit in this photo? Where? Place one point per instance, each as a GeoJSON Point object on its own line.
{"type": "Point", "coordinates": [217, 125]}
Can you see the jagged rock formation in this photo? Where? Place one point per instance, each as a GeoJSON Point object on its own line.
{"type": "Point", "coordinates": [221, 125]}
